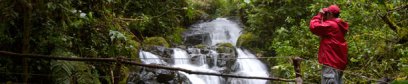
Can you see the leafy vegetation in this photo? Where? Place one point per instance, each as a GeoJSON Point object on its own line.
{"type": "Point", "coordinates": [377, 40]}
{"type": "Point", "coordinates": [375, 48]}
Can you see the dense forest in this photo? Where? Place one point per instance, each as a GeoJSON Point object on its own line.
{"type": "Point", "coordinates": [377, 37]}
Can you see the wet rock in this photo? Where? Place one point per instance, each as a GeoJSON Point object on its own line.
{"type": "Point", "coordinates": [204, 51]}
{"type": "Point", "coordinates": [211, 59]}
{"type": "Point", "coordinates": [163, 52]}
{"type": "Point", "coordinates": [134, 78]}
{"type": "Point", "coordinates": [181, 47]}
{"type": "Point", "coordinates": [198, 59]}
{"type": "Point", "coordinates": [196, 39]}
{"type": "Point", "coordinates": [165, 76]}
{"type": "Point", "coordinates": [182, 79]}
{"type": "Point", "coordinates": [227, 57]}
{"type": "Point", "coordinates": [158, 46]}
{"type": "Point", "coordinates": [156, 76]}
{"type": "Point", "coordinates": [193, 51]}
{"type": "Point", "coordinates": [200, 56]}
{"type": "Point", "coordinates": [224, 59]}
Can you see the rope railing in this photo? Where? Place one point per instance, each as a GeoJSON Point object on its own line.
{"type": "Point", "coordinates": [123, 61]}
{"type": "Point", "coordinates": [286, 57]}
{"type": "Point", "coordinates": [349, 72]}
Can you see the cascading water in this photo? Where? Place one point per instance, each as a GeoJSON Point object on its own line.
{"type": "Point", "coordinates": [211, 59]}
{"type": "Point", "coordinates": [149, 58]}
{"type": "Point", "coordinates": [220, 30]}
{"type": "Point", "coordinates": [248, 65]}
{"type": "Point", "coordinates": [181, 57]}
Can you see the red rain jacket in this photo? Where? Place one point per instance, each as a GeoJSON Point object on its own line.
{"type": "Point", "coordinates": [333, 46]}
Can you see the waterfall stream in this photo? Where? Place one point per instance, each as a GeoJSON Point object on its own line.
{"type": "Point", "coordinates": [220, 30]}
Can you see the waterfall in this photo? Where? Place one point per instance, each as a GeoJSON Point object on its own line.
{"type": "Point", "coordinates": [220, 30]}
{"type": "Point", "coordinates": [209, 59]}
{"type": "Point", "coordinates": [248, 65]}
{"type": "Point", "coordinates": [181, 60]}
{"type": "Point", "coordinates": [149, 58]}
{"type": "Point", "coordinates": [180, 56]}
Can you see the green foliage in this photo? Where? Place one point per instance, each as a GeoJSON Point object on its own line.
{"type": "Point", "coordinates": [65, 72]}
{"type": "Point", "coordinates": [176, 37]}
{"type": "Point", "coordinates": [58, 27]}
{"type": "Point", "coordinates": [399, 82]}
{"type": "Point", "coordinates": [124, 75]}
{"type": "Point", "coordinates": [197, 10]}
{"type": "Point", "coordinates": [156, 18]}
{"type": "Point", "coordinates": [373, 46]}
{"type": "Point", "coordinates": [111, 28]}
{"type": "Point", "coordinates": [295, 41]}
{"type": "Point", "coordinates": [209, 9]}
{"type": "Point", "coordinates": [73, 72]}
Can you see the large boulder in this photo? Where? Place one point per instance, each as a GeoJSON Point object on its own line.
{"type": "Point", "coordinates": [198, 55]}
{"type": "Point", "coordinates": [227, 56]}
{"type": "Point", "coordinates": [155, 41]}
{"type": "Point", "coordinates": [247, 40]}
{"type": "Point", "coordinates": [196, 39]}
{"type": "Point", "coordinates": [158, 46]}
{"type": "Point", "coordinates": [164, 53]}
{"type": "Point", "coordinates": [157, 76]}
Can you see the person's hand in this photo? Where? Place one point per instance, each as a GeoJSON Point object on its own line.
{"type": "Point", "coordinates": [321, 11]}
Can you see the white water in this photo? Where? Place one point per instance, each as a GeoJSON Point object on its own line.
{"type": "Point", "coordinates": [249, 67]}
{"type": "Point", "coordinates": [200, 79]}
{"type": "Point", "coordinates": [221, 30]}
{"type": "Point", "coordinates": [180, 62]}
{"type": "Point", "coordinates": [149, 58]}
{"type": "Point", "coordinates": [180, 56]}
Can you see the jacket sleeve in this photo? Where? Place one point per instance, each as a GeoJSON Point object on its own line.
{"type": "Point", "coordinates": [318, 27]}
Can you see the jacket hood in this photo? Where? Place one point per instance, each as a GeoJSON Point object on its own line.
{"type": "Point", "coordinates": [333, 9]}
{"type": "Point", "coordinates": [342, 24]}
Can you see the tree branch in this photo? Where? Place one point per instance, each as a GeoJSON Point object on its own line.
{"type": "Point", "coordinates": [388, 21]}
{"type": "Point", "coordinates": [391, 24]}
{"type": "Point", "coordinates": [397, 8]}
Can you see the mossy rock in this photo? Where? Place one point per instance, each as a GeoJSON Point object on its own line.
{"type": "Point", "coordinates": [155, 41]}
{"type": "Point", "coordinates": [200, 46]}
{"type": "Point", "coordinates": [246, 40]}
{"type": "Point", "coordinates": [225, 45]}
{"type": "Point", "coordinates": [225, 48]}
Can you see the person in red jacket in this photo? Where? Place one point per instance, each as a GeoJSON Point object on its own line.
{"type": "Point", "coordinates": [333, 47]}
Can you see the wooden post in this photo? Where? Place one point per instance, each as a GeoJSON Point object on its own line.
{"type": "Point", "coordinates": [26, 10]}
{"type": "Point", "coordinates": [296, 64]}
{"type": "Point", "coordinates": [117, 73]}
